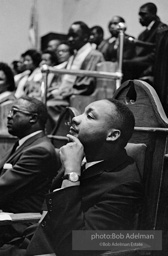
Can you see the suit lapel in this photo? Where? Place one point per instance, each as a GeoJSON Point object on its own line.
{"type": "Point", "coordinates": [25, 144]}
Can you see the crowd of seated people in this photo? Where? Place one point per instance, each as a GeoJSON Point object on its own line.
{"type": "Point", "coordinates": [138, 59]}
{"type": "Point", "coordinates": [76, 53]}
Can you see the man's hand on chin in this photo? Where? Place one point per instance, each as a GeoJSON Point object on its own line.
{"type": "Point", "coordinates": [71, 156]}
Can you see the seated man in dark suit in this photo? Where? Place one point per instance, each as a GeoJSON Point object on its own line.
{"type": "Point", "coordinates": [26, 172]}
{"type": "Point", "coordinates": [104, 196]}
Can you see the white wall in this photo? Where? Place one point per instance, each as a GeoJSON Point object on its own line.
{"type": "Point", "coordinates": [15, 21]}
{"type": "Point", "coordinates": [57, 15]}
{"type": "Point", "coordinates": [99, 12]}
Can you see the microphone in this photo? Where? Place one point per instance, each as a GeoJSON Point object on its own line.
{"type": "Point", "coordinates": [140, 43]}
{"type": "Point", "coordinates": [122, 26]}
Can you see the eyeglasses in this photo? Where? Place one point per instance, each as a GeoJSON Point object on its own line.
{"type": "Point", "coordinates": [13, 111]}
{"type": "Point", "coordinates": [63, 50]}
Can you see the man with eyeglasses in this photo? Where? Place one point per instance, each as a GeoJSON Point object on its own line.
{"type": "Point", "coordinates": [27, 170]}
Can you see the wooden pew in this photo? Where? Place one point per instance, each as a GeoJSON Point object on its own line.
{"type": "Point", "coordinates": [151, 129]}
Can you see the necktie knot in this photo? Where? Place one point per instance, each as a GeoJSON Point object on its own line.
{"type": "Point", "coordinates": [14, 147]}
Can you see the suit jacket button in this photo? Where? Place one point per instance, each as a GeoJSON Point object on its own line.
{"type": "Point", "coordinates": [50, 201]}
{"type": "Point", "coordinates": [43, 224]}
{"type": "Point", "coordinates": [50, 208]}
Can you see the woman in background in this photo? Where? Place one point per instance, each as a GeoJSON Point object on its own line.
{"type": "Point", "coordinates": [7, 84]}
{"type": "Point", "coordinates": [7, 90]}
{"type": "Point", "coordinates": [32, 76]}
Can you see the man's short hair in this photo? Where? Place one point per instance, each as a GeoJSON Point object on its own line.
{"type": "Point", "coordinates": [38, 107]}
{"type": "Point", "coordinates": [85, 29]}
{"type": "Point", "coordinates": [123, 120]}
{"type": "Point", "coordinates": [121, 19]}
{"type": "Point", "coordinates": [99, 30]}
{"type": "Point", "coordinates": [152, 8]}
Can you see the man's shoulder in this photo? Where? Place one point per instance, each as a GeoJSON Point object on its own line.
{"type": "Point", "coordinates": [39, 140]}
{"type": "Point", "coordinates": [124, 166]}
{"type": "Point", "coordinates": [161, 26]}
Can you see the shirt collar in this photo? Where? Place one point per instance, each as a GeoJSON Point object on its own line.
{"type": "Point", "coordinates": [112, 39]}
{"type": "Point", "coordinates": [21, 141]}
{"type": "Point", "coordinates": [150, 25]}
{"type": "Point", "coordinates": [86, 47]}
{"type": "Point", "coordinates": [89, 164]}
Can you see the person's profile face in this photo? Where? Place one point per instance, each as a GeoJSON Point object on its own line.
{"type": "Point", "coordinates": [94, 36]}
{"type": "Point", "coordinates": [18, 119]}
{"type": "Point", "coordinates": [28, 63]}
{"type": "Point", "coordinates": [92, 126]}
{"type": "Point", "coordinates": [20, 65]}
{"type": "Point", "coordinates": [76, 37]}
{"type": "Point", "coordinates": [145, 17]}
{"type": "Point", "coordinates": [3, 81]}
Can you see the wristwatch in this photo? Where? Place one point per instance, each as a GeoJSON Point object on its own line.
{"type": "Point", "coordinates": [72, 176]}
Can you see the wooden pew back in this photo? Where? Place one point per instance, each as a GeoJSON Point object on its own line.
{"type": "Point", "coordinates": [151, 129]}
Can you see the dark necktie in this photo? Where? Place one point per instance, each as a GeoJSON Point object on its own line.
{"type": "Point", "coordinates": [10, 154]}
{"type": "Point", "coordinates": [14, 148]}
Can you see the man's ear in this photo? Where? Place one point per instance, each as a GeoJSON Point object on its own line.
{"type": "Point", "coordinates": [33, 119]}
{"type": "Point", "coordinates": [113, 135]}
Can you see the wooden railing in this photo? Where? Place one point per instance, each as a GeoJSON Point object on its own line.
{"type": "Point", "coordinates": [97, 74]}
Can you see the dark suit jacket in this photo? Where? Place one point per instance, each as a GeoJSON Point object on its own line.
{"type": "Point", "coordinates": [149, 36]}
{"type": "Point", "coordinates": [23, 187]}
{"type": "Point", "coordinates": [142, 63]}
{"type": "Point", "coordinates": [111, 54]}
{"type": "Point", "coordinates": [107, 199]}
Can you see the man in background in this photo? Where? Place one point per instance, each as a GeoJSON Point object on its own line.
{"type": "Point", "coordinates": [96, 37]}
{"type": "Point", "coordinates": [141, 65]}
{"type": "Point", "coordinates": [84, 58]}
{"type": "Point", "coordinates": [53, 44]}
